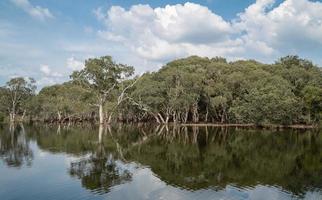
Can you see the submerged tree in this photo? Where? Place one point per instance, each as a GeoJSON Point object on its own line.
{"type": "Point", "coordinates": [101, 76]}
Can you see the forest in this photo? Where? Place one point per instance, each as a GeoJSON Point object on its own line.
{"type": "Point", "coordinates": [185, 91]}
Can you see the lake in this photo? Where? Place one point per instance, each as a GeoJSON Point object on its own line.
{"type": "Point", "coordinates": [158, 162]}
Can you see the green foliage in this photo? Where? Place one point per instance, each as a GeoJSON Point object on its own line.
{"type": "Point", "coordinates": [101, 74]}
{"type": "Point", "coordinates": [2, 117]}
{"type": "Point", "coordinates": [15, 96]}
{"type": "Point", "coordinates": [192, 89]}
{"type": "Point", "coordinates": [66, 99]}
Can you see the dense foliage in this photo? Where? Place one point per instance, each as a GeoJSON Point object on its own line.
{"type": "Point", "coordinates": [190, 90]}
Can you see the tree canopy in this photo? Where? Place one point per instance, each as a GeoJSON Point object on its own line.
{"type": "Point", "coordinates": [188, 90]}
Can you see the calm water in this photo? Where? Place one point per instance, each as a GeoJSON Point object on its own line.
{"type": "Point", "coordinates": [145, 162]}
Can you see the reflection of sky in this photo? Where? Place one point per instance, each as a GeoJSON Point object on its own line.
{"type": "Point", "coordinates": [48, 178]}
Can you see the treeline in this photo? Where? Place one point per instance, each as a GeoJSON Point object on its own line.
{"type": "Point", "coordinates": [190, 90]}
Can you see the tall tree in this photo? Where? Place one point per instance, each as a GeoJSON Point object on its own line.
{"type": "Point", "coordinates": [101, 76]}
{"type": "Point", "coordinates": [16, 93]}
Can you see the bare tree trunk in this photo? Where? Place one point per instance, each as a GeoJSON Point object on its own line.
{"type": "Point", "coordinates": [109, 120]}
{"type": "Point", "coordinates": [13, 116]}
{"type": "Point", "coordinates": [12, 127]}
{"type": "Point", "coordinates": [59, 116]}
{"type": "Point", "coordinates": [100, 133]}
{"type": "Point", "coordinates": [174, 117]}
{"type": "Point", "coordinates": [195, 115]}
{"type": "Point", "coordinates": [186, 116]}
{"type": "Point", "coordinates": [23, 115]}
{"type": "Point", "coordinates": [13, 113]}
{"type": "Point", "coordinates": [101, 113]}
{"type": "Point", "coordinates": [161, 118]}
{"type": "Point", "coordinates": [207, 112]}
{"type": "Point", "coordinates": [156, 118]}
{"type": "Point", "coordinates": [167, 119]}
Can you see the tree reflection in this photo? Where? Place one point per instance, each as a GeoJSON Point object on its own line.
{"type": "Point", "coordinates": [189, 157]}
{"type": "Point", "coordinates": [100, 171]}
{"type": "Point", "coordinates": [200, 157]}
{"type": "Point", "coordinates": [14, 146]}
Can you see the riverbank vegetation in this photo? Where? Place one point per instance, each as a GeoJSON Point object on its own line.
{"type": "Point", "coordinates": [189, 90]}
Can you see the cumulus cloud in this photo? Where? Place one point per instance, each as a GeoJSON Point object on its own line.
{"type": "Point", "coordinates": [34, 11]}
{"type": "Point", "coordinates": [74, 64]}
{"type": "Point", "coordinates": [262, 31]}
{"type": "Point", "coordinates": [47, 71]}
{"type": "Point", "coordinates": [49, 77]}
{"type": "Point", "coordinates": [292, 25]}
{"type": "Point", "coordinates": [163, 33]}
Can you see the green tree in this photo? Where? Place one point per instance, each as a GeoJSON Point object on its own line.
{"type": "Point", "coordinates": [101, 76]}
{"type": "Point", "coordinates": [15, 95]}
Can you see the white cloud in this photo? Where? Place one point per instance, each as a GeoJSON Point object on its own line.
{"type": "Point", "coordinates": [45, 69]}
{"type": "Point", "coordinates": [49, 77]}
{"type": "Point", "coordinates": [46, 81]}
{"type": "Point", "coordinates": [74, 64]}
{"type": "Point", "coordinates": [291, 26]}
{"type": "Point", "coordinates": [263, 31]}
{"type": "Point", "coordinates": [34, 11]}
{"type": "Point", "coordinates": [161, 34]}
{"type": "Point", "coordinates": [147, 37]}
{"type": "Point", "coordinates": [190, 23]}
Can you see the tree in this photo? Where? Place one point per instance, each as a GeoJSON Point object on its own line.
{"type": "Point", "coordinates": [192, 89]}
{"type": "Point", "coordinates": [101, 76]}
{"type": "Point", "coordinates": [60, 102]}
{"type": "Point", "coordinates": [16, 93]}
{"type": "Point", "coordinates": [312, 96]}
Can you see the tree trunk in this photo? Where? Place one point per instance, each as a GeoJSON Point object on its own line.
{"type": "Point", "coordinates": [100, 133]}
{"type": "Point", "coordinates": [109, 120]}
{"type": "Point", "coordinates": [156, 118]}
{"type": "Point", "coordinates": [59, 116]}
{"type": "Point", "coordinates": [12, 116]}
{"type": "Point", "coordinates": [167, 118]}
{"type": "Point", "coordinates": [195, 114]}
{"type": "Point", "coordinates": [23, 115]}
{"type": "Point", "coordinates": [174, 117]}
{"type": "Point", "coordinates": [101, 113]}
{"type": "Point", "coordinates": [186, 116]}
{"type": "Point", "coordinates": [207, 112]}
{"type": "Point", "coordinates": [160, 116]}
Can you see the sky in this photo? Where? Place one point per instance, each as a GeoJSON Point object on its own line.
{"type": "Point", "coordinates": [48, 39]}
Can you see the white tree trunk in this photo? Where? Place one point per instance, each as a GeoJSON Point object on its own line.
{"type": "Point", "coordinates": [160, 116]}
{"type": "Point", "coordinates": [59, 116]}
{"type": "Point", "coordinates": [23, 115]}
{"type": "Point", "coordinates": [100, 133]}
{"type": "Point", "coordinates": [12, 117]}
{"type": "Point", "coordinates": [101, 113]}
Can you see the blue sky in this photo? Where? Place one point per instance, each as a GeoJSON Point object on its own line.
{"type": "Point", "coordinates": [48, 39]}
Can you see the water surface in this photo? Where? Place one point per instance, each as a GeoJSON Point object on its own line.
{"type": "Point", "coordinates": [149, 162]}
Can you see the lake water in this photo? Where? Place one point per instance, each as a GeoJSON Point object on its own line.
{"type": "Point", "coordinates": [149, 162]}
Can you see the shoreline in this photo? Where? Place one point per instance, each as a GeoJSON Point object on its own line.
{"type": "Point", "coordinates": [277, 126]}
{"type": "Point", "coordinates": [250, 125]}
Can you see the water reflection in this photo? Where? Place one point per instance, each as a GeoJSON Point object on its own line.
{"type": "Point", "coordinates": [14, 146]}
{"type": "Point", "coordinates": [99, 171]}
{"type": "Point", "coordinates": [209, 159]}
